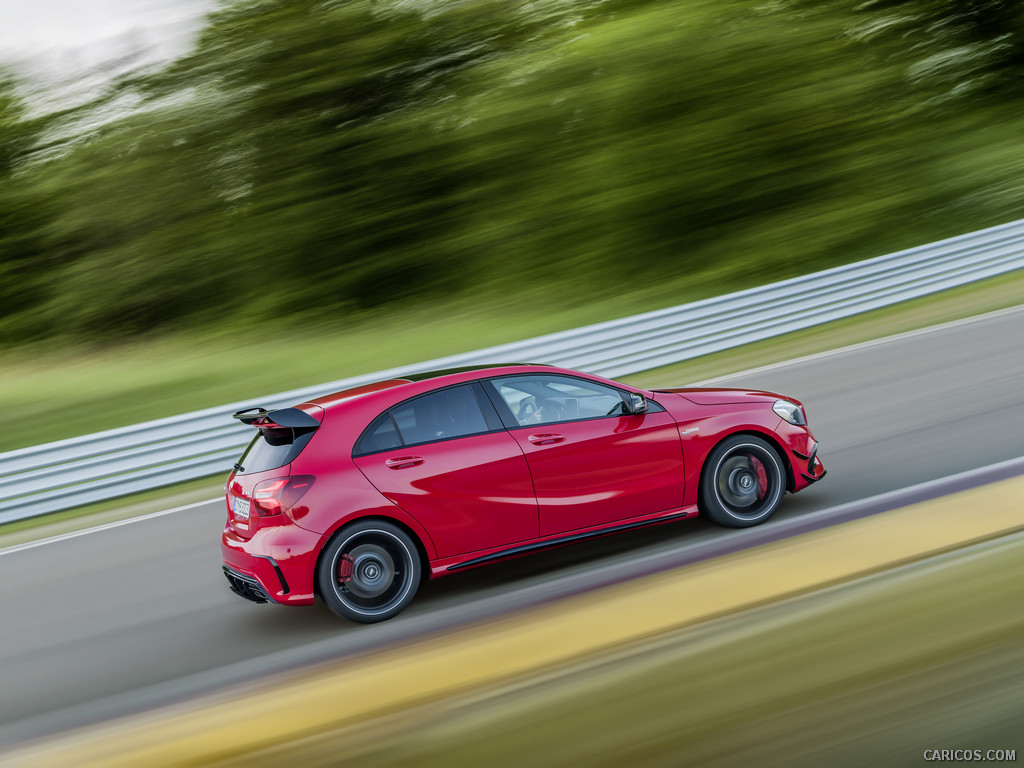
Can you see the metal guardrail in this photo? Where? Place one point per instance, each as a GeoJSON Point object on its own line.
{"type": "Point", "coordinates": [81, 470]}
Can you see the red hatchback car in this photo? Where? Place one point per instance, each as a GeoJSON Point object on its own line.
{"type": "Point", "coordinates": [359, 496]}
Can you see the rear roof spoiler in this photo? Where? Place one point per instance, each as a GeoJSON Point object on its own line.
{"type": "Point", "coordinates": [287, 418]}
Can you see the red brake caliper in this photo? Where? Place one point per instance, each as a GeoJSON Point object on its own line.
{"type": "Point", "coordinates": [762, 477]}
{"type": "Point", "coordinates": [345, 569]}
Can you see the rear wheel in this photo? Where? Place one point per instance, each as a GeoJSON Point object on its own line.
{"type": "Point", "coordinates": [743, 482]}
{"type": "Point", "coordinates": [369, 571]}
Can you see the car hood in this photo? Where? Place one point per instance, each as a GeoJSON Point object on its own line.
{"type": "Point", "coordinates": [722, 395]}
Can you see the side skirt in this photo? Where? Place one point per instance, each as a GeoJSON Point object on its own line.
{"type": "Point", "coordinates": [568, 538]}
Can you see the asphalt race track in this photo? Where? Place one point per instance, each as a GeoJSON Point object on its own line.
{"type": "Point", "coordinates": [140, 614]}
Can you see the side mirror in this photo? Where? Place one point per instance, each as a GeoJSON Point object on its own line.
{"type": "Point", "coordinates": [637, 404]}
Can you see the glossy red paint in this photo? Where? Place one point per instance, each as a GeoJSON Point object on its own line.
{"type": "Point", "coordinates": [471, 493]}
{"type": "Point", "coordinates": [293, 549]}
{"type": "Point", "coordinates": [723, 396]}
{"type": "Point", "coordinates": [598, 471]}
{"type": "Point", "coordinates": [445, 462]}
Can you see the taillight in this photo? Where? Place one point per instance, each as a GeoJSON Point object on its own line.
{"type": "Point", "coordinates": [273, 497]}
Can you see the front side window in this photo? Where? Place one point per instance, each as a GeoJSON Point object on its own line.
{"type": "Point", "coordinates": [548, 399]}
{"type": "Point", "coordinates": [441, 415]}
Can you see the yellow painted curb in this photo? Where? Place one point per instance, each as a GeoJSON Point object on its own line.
{"type": "Point", "coordinates": [359, 689]}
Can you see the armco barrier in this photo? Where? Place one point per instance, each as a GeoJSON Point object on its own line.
{"type": "Point", "coordinates": [82, 470]}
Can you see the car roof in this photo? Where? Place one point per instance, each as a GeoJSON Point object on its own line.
{"type": "Point", "coordinates": [424, 379]}
{"type": "Point", "coordinates": [466, 369]}
{"type": "Point", "coordinates": [348, 412]}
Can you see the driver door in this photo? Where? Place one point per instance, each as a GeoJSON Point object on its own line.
{"type": "Point", "coordinates": [592, 463]}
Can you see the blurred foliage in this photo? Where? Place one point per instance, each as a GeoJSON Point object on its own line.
{"type": "Point", "coordinates": [323, 160]}
{"type": "Point", "coordinates": [956, 46]}
{"type": "Point", "coordinates": [23, 216]}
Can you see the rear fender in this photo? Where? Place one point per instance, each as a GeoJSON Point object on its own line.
{"type": "Point", "coordinates": [408, 524]}
{"type": "Point", "coordinates": [341, 494]}
{"type": "Point", "coordinates": [387, 511]}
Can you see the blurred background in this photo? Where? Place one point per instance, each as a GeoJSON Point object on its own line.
{"type": "Point", "coordinates": [284, 164]}
{"type": "Point", "coordinates": [205, 201]}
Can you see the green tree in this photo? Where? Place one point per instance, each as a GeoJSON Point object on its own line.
{"type": "Point", "coordinates": [330, 158]}
{"type": "Point", "coordinates": [345, 197]}
{"type": "Point", "coordinates": [23, 216]}
{"type": "Point", "coordinates": [143, 234]}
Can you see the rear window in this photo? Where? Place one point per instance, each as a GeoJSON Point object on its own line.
{"type": "Point", "coordinates": [273, 448]}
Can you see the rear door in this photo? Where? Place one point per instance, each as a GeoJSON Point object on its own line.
{"type": "Point", "coordinates": [446, 459]}
{"type": "Point", "coordinates": [591, 464]}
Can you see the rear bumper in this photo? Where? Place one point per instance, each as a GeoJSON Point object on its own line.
{"type": "Point", "coordinates": [276, 565]}
{"type": "Point", "coordinates": [245, 586]}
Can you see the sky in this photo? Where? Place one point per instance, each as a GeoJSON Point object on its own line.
{"type": "Point", "coordinates": [58, 41]}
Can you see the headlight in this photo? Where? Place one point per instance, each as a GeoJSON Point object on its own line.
{"type": "Point", "coordinates": [791, 412]}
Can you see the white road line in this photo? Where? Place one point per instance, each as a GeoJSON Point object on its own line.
{"type": "Point", "coordinates": [97, 528]}
{"type": "Point", "coordinates": [865, 345]}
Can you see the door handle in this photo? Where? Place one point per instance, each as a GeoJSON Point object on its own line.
{"type": "Point", "coordinates": [402, 462]}
{"type": "Point", "coordinates": [546, 438]}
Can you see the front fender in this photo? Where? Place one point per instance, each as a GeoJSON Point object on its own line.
{"type": "Point", "coordinates": [700, 435]}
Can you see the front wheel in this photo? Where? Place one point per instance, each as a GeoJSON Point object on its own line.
{"type": "Point", "coordinates": [369, 571]}
{"type": "Point", "coordinates": [742, 483]}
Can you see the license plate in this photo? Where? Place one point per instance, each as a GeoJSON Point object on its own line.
{"type": "Point", "coordinates": [241, 509]}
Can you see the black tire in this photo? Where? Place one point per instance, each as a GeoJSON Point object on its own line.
{"type": "Point", "coordinates": [742, 483]}
{"type": "Point", "coordinates": [381, 576]}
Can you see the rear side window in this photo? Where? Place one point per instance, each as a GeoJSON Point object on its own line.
{"type": "Point", "coordinates": [441, 415]}
{"type": "Point", "coordinates": [382, 435]}
{"type": "Point", "coordinates": [273, 448]}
